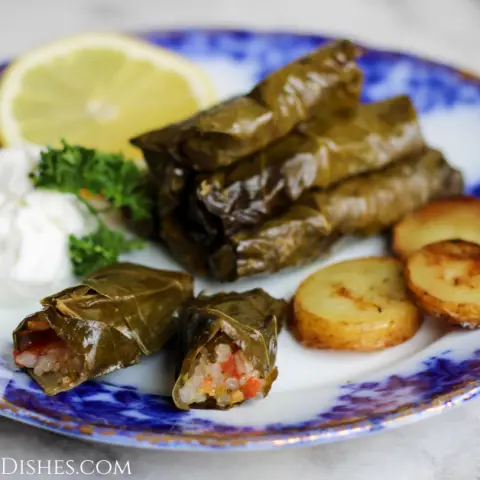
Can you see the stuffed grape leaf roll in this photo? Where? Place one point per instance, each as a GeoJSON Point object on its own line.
{"type": "Point", "coordinates": [118, 313]}
{"type": "Point", "coordinates": [179, 242]}
{"type": "Point", "coordinates": [322, 82]}
{"type": "Point", "coordinates": [317, 154]}
{"type": "Point", "coordinates": [228, 349]}
{"type": "Point", "coordinates": [298, 236]}
{"type": "Point", "coordinates": [361, 205]}
{"type": "Point", "coordinates": [370, 203]}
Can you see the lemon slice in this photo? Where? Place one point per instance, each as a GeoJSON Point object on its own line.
{"type": "Point", "coordinates": [98, 90]}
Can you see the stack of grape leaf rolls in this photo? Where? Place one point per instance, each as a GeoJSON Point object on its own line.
{"type": "Point", "coordinates": [272, 179]}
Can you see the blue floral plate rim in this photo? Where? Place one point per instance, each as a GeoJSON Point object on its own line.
{"type": "Point", "coordinates": [363, 44]}
{"type": "Point", "coordinates": [295, 438]}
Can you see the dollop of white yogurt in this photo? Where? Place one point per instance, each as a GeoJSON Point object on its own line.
{"type": "Point", "coordinates": [34, 228]}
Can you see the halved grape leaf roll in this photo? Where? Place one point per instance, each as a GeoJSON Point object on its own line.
{"type": "Point", "coordinates": [228, 349]}
{"type": "Point", "coordinates": [118, 313]}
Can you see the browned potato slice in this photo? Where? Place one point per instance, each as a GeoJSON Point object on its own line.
{"type": "Point", "coordinates": [454, 218]}
{"type": "Point", "coordinates": [444, 278]}
{"type": "Point", "coordinates": [357, 304]}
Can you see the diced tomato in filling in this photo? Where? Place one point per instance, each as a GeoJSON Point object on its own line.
{"type": "Point", "coordinates": [251, 387]}
{"type": "Point", "coordinates": [39, 342]}
{"type": "Point", "coordinates": [229, 367]}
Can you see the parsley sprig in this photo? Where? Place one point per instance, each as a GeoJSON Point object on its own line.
{"type": "Point", "coordinates": [99, 249]}
{"type": "Point", "coordinates": [87, 172]}
{"type": "Point", "coordinates": [73, 169]}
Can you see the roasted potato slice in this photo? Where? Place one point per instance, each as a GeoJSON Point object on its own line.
{"type": "Point", "coordinates": [358, 304]}
{"type": "Point", "coordinates": [444, 278]}
{"type": "Point", "coordinates": [454, 218]}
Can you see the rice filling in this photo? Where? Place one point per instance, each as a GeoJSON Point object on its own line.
{"type": "Point", "coordinates": [43, 351]}
{"type": "Point", "coordinates": [228, 378]}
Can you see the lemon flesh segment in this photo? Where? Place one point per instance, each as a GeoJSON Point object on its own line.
{"type": "Point", "coordinates": [98, 90]}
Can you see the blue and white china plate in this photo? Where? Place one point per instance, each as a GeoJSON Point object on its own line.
{"type": "Point", "coordinates": [320, 396]}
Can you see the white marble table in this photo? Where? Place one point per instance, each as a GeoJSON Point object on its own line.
{"type": "Point", "coordinates": [441, 448]}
